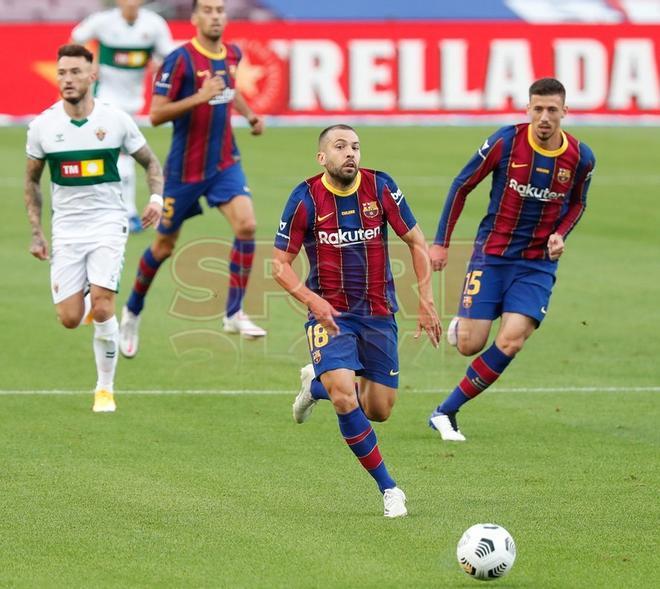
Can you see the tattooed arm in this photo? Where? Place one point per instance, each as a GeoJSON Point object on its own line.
{"type": "Point", "coordinates": [148, 160]}
{"type": "Point", "coordinates": [33, 204]}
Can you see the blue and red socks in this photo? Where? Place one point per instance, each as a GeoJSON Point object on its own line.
{"type": "Point", "coordinates": [240, 265]}
{"type": "Point", "coordinates": [361, 439]}
{"type": "Point", "coordinates": [147, 269]}
{"type": "Point", "coordinates": [482, 372]}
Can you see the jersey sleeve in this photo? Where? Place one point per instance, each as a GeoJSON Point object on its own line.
{"type": "Point", "coordinates": [133, 137]}
{"type": "Point", "coordinates": [294, 222]}
{"type": "Point", "coordinates": [482, 163]}
{"type": "Point", "coordinates": [397, 212]}
{"type": "Point", "coordinates": [33, 148]}
{"type": "Point", "coordinates": [87, 29]}
{"type": "Point", "coordinates": [163, 45]}
{"type": "Point", "coordinates": [577, 202]}
{"type": "Point", "coordinates": [170, 75]}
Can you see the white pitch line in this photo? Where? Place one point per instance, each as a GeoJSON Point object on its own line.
{"type": "Point", "coordinates": [248, 392]}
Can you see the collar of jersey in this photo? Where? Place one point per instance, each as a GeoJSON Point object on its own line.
{"type": "Point", "coordinates": [547, 152]}
{"type": "Point", "coordinates": [350, 190]}
{"type": "Point", "coordinates": [206, 53]}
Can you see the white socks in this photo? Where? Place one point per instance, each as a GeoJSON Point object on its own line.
{"type": "Point", "coordinates": [126, 168]}
{"type": "Point", "coordinates": [106, 340]}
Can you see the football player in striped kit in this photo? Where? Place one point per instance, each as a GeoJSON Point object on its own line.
{"type": "Point", "coordinates": [341, 218]}
{"type": "Point", "coordinates": [540, 179]}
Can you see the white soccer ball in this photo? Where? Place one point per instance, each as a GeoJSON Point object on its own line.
{"type": "Point", "coordinates": [486, 552]}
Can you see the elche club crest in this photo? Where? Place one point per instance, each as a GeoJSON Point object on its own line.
{"type": "Point", "coordinates": [100, 133]}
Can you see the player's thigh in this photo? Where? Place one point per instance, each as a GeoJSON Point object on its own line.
{"type": "Point", "coordinates": [378, 350]}
{"type": "Point", "coordinates": [180, 202]}
{"type": "Point", "coordinates": [104, 264]}
{"type": "Point", "coordinates": [103, 302]}
{"type": "Point", "coordinates": [239, 212]}
{"type": "Point", "coordinates": [333, 352]}
{"type": "Point", "coordinates": [377, 399]}
{"type": "Point", "coordinates": [70, 310]}
{"type": "Point", "coordinates": [68, 272]}
{"type": "Point", "coordinates": [514, 330]}
{"type": "Point", "coordinates": [472, 334]}
{"type": "Point", "coordinates": [529, 294]}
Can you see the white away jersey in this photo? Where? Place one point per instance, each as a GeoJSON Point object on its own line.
{"type": "Point", "coordinates": [82, 158]}
{"type": "Point", "coordinates": [124, 51]}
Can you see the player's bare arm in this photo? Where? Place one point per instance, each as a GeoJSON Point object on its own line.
{"type": "Point", "coordinates": [148, 160]}
{"type": "Point", "coordinates": [428, 316]}
{"type": "Point", "coordinates": [163, 109]}
{"type": "Point", "coordinates": [33, 204]}
{"type": "Point", "coordinates": [242, 107]}
{"type": "Point", "coordinates": [288, 279]}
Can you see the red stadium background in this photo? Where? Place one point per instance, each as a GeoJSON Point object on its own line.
{"type": "Point", "coordinates": [411, 70]}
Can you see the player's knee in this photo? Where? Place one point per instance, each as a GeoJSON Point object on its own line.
{"type": "Point", "coordinates": [162, 249]}
{"type": "Point", "coordinates": [510, 345]}
{"type": "Point", "coordinates": [378, 414]}
{"type": "Point", "coordinates": [469, 347]}
{"type": "Point", "coordinates": [102, 309]}
{"type": "Point", "coordinates": [344, 401]}
{"type": "Point", "coordinates": [69, 320]}
{"type": "Point", "coordinates": [246, 229]}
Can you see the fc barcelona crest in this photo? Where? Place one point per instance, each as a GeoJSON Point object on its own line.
{"type": "Point", "coordinates": [370, 209]}
{"type": "Point", "coordinates": [467, 301]}
{"type": "Point", "coordinates": [100, 133]}
{"type": "Point", "coordinates": [563, 175]}
{"type": "Point", "coordinates": [316, 356]}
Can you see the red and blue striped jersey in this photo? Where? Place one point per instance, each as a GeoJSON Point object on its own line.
{"type": "Point", "coordinates": [534, 193]}
{"type": "Point", "coordinates": [345, 238]}
{"type": "Point", "coordinates": [202, 139]}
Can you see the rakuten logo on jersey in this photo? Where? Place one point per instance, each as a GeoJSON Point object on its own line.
{"type": "Point", "coordinates": [341, 238]}
{"type": "Point", "coordinates": [529, 191]}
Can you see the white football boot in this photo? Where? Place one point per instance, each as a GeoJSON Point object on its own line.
{"type": "Point", "coordinates": [104, 402]}
{"type": "Point", "coordinates": [452, 332]}
{"type": "Point", "coordinates": [240, 323]}
{"type": "Point", "coordinates": [128, 333]}
{"type": "Point", "coordinates": [394, 501]}
{"type": "Point", "coordinates": [445, 424]}
{"type": "Point", "coordinates": [304, 403]}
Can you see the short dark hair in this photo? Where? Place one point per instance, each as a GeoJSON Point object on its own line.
{"type": "Point", "coordinates": [547, 87]}
{"type": "Point", "coordinates": [332, 128]}
{"type": "Point", "coordinates": [73, 50]}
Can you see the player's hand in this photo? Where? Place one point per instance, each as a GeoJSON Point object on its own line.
{"type": "Point", "coordinates": [258, 125]}
{"type": "Point", "coordinates": [151, 215]}
{"type": "Point", "coordinates": [325, 314]}
{"type": "Point", "coordinates": [211, 87]}
{"type": "Point", "coordinates": [438, 255]}
{"type": "Point", "coordinates": [555, 246]}
{"type": "Point", "coordinates": [39, 247]}
{"type": "Point", "coordinates": [429, 322]}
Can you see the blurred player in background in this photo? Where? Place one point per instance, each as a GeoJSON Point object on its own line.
{"type": "Point", "coordinates": [541, 176]}
{"type": "Point", "coordinates": [128, 36]}
{"type": "Point", "coordinates": [195, 88]}
{"type": "Point", "coordinates": [80, 138]}
{"type": "Point", "coordinates": [341, 218]}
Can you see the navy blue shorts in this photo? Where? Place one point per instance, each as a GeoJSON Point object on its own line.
{"type": "Point", "coordinates": [365, 344]}
{"type": "Point", "coordinates": [493, 287]}
{"type": "Point", "coordinates": [181, 199]}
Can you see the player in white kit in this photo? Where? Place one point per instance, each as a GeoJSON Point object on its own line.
{"type": "Point", "coordinates": [80, 138]}
{"type": "Point", "coordinates": [128, 36]}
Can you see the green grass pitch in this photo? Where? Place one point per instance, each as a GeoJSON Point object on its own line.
{"type": "Point", "coordinates": [219, 488]}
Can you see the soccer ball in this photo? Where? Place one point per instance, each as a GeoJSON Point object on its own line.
{"type": "Point", "coordinates": [486, 552]}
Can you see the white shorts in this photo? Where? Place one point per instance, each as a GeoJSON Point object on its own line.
{"type": "Point", "coordinates": [73, 265]}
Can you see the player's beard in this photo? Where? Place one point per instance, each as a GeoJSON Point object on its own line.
{"type": "Point", "coordinates": [76, 99]}
{"type": "Point", "coordinates": [341, 175]}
